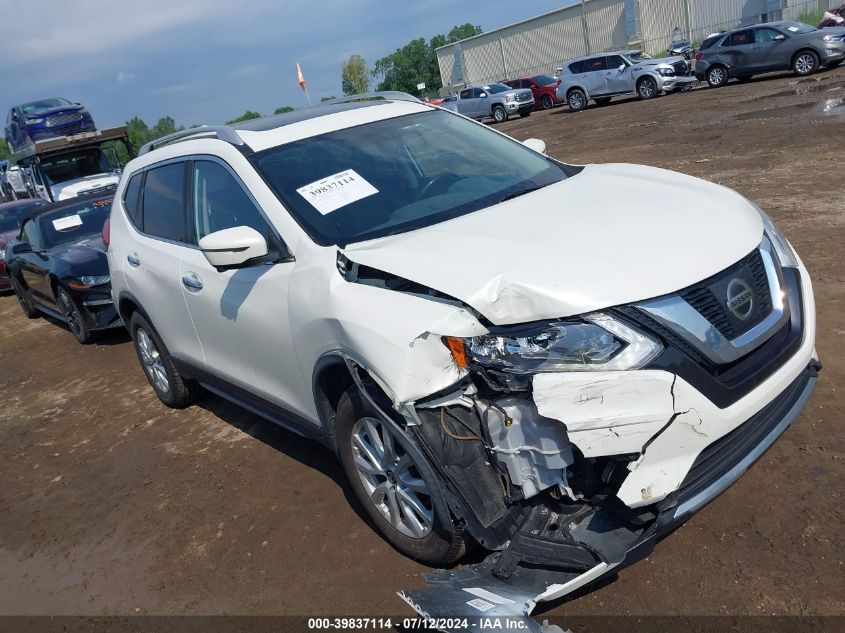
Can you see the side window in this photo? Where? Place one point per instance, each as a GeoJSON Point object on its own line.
{"type": "Point", "coordinates": [131, 200]}
{"type": "Point", "coordinates": [477, 92]}
{"type": "Point", "coordinates": [741, 38]}
{"type": "Point", "coordinates": [163, 208]}
{"type": "Point", "coordinates": [596, 64]}
{"type": "Point", "coordinates": [220, 202]}
{"type": "Point", "coordinates": [466, 94]}
{"type": "Point", "coordinates": [615, 61]}
{"type": "Point", "coordinates": [764, 36]}
{"type": "Point", "coordinates": [576, 68]}
{"type": "Point", "coordinates": [31, 235]}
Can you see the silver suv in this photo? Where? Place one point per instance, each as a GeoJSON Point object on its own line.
{"type": "Point", "coordinates": [604, 76]}
{"type": "Point", "coordinates": [493, 100]}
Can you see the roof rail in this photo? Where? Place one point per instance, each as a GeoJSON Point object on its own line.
{"type": "Point", "coordinates": [222, 132]}
{"type": "Point", "coordinates": [386, 95]}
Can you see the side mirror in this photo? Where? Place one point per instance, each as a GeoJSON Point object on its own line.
{"type": "Point", "coordinates": [536, 144]}
{"type": "Point", "coordinates": [482, 95]}
{"type": "Point", "coordinates": [231, 248]}
{"type": "Point", "coordinates": [20, 248]}
{"type": "Point", "coordinates": [622, 68]}
{"type": "Point", "coordinates": [779, 37]}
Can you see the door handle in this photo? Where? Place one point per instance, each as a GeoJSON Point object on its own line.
{"type": "Point", "coordinates": [192, 281]}
{"type": "Point", "coordinates": [133, 260]}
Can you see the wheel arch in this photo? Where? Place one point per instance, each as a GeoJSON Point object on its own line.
{"type": "Point", "coordinates": [577, 87]}
{"type": "Point", "coordinates": [805, 49]}
{"type": "Point", "coordinates": [127, 305]}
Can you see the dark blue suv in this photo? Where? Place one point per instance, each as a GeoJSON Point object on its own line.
{"type": "Point", "coordinates": [45, 118]}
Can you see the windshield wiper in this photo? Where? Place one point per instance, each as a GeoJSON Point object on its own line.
{"type": "Point", "coordinates": [521, 192]}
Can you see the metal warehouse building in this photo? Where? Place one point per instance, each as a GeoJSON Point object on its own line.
{"type": "Point", "coordinates": [543, 43]}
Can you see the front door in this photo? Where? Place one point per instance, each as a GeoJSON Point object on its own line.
{"type": "Point", "coordinates": [33, 265]}
{"type": "Point", "coordinates": [769, 53]}
{"type": "Point", "coordinates": [241, 315]}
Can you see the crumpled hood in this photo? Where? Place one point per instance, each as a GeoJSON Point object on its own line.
{"type": "Point", "coordinates": [662, 60]}
{"type": "Point", "coordinates": [611, 235]}
{"type": "Point", "coordinates": [72, 188]}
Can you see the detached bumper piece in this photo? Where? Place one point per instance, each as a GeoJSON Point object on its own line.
{"type": "Point", "coordinates": [562, 546]}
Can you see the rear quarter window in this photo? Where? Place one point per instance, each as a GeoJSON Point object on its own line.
{"type": "Point", "coordinates": [131, 199]}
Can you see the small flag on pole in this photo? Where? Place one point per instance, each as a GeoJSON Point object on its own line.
{"type": "Point", "coordinates": [300, 77]}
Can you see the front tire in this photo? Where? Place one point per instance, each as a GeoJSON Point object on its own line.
{"type": "Point", "coordinates": [173, 390]}
{"type": "Point", "coordinates": [647, 88]}
{"type": "Point", "coordinates": [73, 316]}
{"type": "Point", "coordinates": [577, 100]}
{"type": "Point", "coordinates": [547, 102]}
{"type": "Point", "coordinates": [805, 63]}
{"type": "Point", "coordinates": [394, 482]}
{"type": "Point", "coordinates": [717, 76]}
{"type": "Point", "coordinates": [500, 115]}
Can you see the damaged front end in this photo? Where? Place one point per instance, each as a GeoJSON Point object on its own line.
{"type": "Point", "coordinates": [568, 447]}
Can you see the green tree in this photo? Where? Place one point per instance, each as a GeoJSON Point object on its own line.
{"type": "Point", "coordinates": [355, 76]}
{"type": "Point", "coordinates": [282, 110]}
{"type": "Point", "coordinates": [416, 62]}
{"type": "Point", "coordinates": [4, 150]}
{"type": "Point", "coordinates": [165, 125]}
{"type": "Point", "coordinates": [246, 116]}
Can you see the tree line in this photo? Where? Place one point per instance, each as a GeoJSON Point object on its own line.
{"type": "Point", "coordinates": [406, 68]}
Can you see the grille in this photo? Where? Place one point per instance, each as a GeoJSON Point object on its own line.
{"type": "Point", "coordinates": [523, 96]}
{"type": "Point", "coordinates": [63, 119]}
{"type": "Point", "coordinates": [708, 297]}
{"type": "Point", "coordinates": [681, 68]}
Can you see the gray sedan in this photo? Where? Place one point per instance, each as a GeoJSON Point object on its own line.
{"type": "Point", "coordinates": [762, 48]}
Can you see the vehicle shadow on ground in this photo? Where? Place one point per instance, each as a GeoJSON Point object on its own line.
{"type": "Point", "coordinates": [310, 453]}
{"type": "Point", "coordinates": [113, 336]}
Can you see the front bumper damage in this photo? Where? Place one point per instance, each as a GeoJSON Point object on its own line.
{"type": "Point", "coordinates": [561, 545]}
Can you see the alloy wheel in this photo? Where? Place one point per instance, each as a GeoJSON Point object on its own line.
{"type": "Point", "coordinates": [391, 478]}
{"type": "Point", "coordinates": [647, 89]}
{"type": "Point", "coordinates": [547, 102]}
{"type": "Point", "coordinates": [805, 64]}
{"type": "Point", "coordinates": [576, 101]}
{"type": "Point", "coordinates": [717, 76]}
{"type": "Point", "coordinates": [152, 361]}
{"type": "Point", "coordinates": [71, 314]}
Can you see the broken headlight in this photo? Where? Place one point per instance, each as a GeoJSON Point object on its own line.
{"type": "Point", "coordinates": [596, 343]}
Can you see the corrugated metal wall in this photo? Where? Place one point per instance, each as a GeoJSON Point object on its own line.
{"type": "Point", "coordinates": [542, 44]}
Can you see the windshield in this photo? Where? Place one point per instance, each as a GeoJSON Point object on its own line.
{"type": "Point", "coordinates": [43, 104]}
{"type": "Point", "coordinates": [497, 88]}
{"type": "Point", "coordinates": [73, 222]}
{"type": "Point", "coordinates": [73, 166]}
{"type": "Point", "coordinates": [545, 80]}
{"type": "Point", "coordinates": [638, 55]}
{"type": "Point", "coordinates": [10, 219]}
{"type": "Point", "coordinates": [398, 175]}
{"type": "Point", "coordinates": [799, 27]}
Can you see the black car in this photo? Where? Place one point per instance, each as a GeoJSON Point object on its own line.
{"type": "Point", "coordinates": [10, 225]}
{"type": "Point", "coordinates": [58, 265]}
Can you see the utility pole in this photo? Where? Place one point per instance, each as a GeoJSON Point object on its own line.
{"type": "Point", "coordinates": [587, 46]}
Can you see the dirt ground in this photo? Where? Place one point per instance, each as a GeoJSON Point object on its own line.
{"type": "Point", "coordinates": [112, 504]}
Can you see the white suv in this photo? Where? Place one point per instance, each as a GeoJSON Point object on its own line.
{"type": "Point", "coordinates": [556, 363]}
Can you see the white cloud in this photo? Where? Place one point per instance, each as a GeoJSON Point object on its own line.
{"type": "Point", "coordinates": [123, 77]}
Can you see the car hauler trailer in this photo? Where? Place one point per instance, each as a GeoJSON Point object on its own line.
{"type": "Point", "coordinates": [69, 166]}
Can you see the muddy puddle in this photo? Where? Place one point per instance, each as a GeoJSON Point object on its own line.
{"type": "Point", "coordinates": [829, 93]}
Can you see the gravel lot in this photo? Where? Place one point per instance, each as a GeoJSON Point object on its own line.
{"type": "Point", "coordinates": [112, 504]}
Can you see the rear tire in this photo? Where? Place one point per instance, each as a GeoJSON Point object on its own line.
{"type": "Point", "coordinates": [73, 315]}
{"type": "Point", "coordinates": [500, 115]}
{"type": "Point", "coordinates": [805, 63]}
{"type": "Point", "coordinates": [24, 301]}
{"type": "Point", "coordinates": [158, 366]}
{"type": "Point", "coordinates": [378, 471]}
{"type": "Point", "coordinates": [577, 100]}
{"type": "Point", "coordinates": [602, 101]}
{"type": "Point", "coordinates": [717, 76]}
{"type": "Point", "coordinates": [547, 102]}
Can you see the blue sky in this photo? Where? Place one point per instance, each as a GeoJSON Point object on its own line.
{"type": "Point", "coordinates": [205, 61]}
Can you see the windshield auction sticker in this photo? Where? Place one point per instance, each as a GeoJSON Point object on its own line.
{"type": "Point", "coordinates": [336, 191]}
{"type": "Point", "coordinates": [70, 222]}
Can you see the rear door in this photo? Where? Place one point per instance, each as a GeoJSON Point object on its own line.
{"type": "Point", "coordinates": [595, 80]}
{"type": "Point", "coordinates": [738, 51]}
{"type": "Point", "coordinates": [153, 259]}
